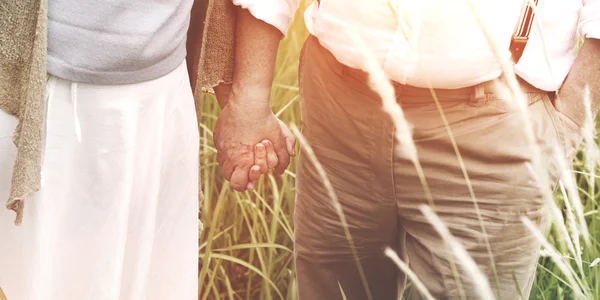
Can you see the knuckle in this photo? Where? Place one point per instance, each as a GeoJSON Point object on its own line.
{"type": "Point", "coordinates": [227, 171]}
{"type": "Point", "coordinates": [244, 161]}
{"type": "Point", "coordinates": [237, 186]}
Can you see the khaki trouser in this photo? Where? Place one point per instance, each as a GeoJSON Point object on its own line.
{"type": "Point", "coordinates": [380, 192]}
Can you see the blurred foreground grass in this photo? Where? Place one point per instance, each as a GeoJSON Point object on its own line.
{"type": "Point", "coordinates": [246, 246]}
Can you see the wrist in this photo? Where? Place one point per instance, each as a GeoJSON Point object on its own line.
{"type": "Point", "coordinates": [250, 97]}
{"type": "Point", "coordinates": [248, 109]}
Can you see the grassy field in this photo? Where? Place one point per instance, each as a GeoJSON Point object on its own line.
{"type": "Point", "coordinates": [246, 247]}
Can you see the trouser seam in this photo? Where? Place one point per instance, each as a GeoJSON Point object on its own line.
{"type": "Point", "coordinates": [556, 122]}
{"type": "Point", "coordinates": [392, 160]}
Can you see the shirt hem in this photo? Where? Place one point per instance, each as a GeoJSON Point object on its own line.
{"type": "Point", "coordinates": [157, 70]}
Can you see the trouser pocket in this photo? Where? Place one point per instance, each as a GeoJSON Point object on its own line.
{"type": "Point", "coordinates": [569, 133]}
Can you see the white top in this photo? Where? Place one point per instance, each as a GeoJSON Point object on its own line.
{"type": "Point", "coordinates": [440, 42]}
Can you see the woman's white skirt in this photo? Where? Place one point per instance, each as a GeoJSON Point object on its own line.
{"type": "Point", "coordinates": [117, 216]}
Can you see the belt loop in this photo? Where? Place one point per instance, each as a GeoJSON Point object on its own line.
{"type": "Point", "coordinates": [478, 96]}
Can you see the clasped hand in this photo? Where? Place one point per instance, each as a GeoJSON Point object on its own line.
{"type": "Point", "coordinates": [250, 140]}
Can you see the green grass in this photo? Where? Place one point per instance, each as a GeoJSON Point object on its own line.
{"type": "Point", "coordinates": [246, 246]}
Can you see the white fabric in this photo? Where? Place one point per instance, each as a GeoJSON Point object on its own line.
{"type": "Point", "coordinates": [439, 41]}
{"type": "Point", "coordinates": [117, 216]}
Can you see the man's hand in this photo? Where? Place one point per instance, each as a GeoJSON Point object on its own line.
{"type": "Point", "coordinates": [265, 157]}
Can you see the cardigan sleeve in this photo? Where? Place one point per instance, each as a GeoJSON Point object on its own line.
{"type": "Point", "coordinates": [210, 44]}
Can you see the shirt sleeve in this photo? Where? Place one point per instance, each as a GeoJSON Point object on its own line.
{"type": "Point", "coordinates": [589, 19]}
{"type": "Point", "coordinates": [278, 13]}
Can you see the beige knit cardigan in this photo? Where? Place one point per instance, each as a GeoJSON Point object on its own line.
{"type": "Point", "coordinates": [23, 75]}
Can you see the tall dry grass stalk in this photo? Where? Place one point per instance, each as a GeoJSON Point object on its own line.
{"type": "Point", "coordinates": [592, 154]}
{"type": "Point", "coordinates": [408, 36]}
{"type": "Point", "coordinates": [541, 171]}
{"type": "Point", "coordinates": [566, 177]}
{"type": "Point", "coordinates": [469, 186]}
{"type": "Point", "coordinates": [567, 239]}
{"type": "Point", "coordinates": [573, 281]}
{"type": "Point", "coordinates": [206, 257]}
{"type": "Point", "coordinates": [520, 102]}
{"type": "Point", "coordinates": [571, 186]}
{"type": "Point", "coordinates": [591, 151]}
{"type": "Point", "coordinates": [539, 26]}
{"type": "Point", "coordinates": [342, 291]}
{"type": "Point", "coordinates": [379, 83]}
{"type": "Point", "coordinates": [406, 270]}
{"type": "Point", "coordinates": [479, 280]}
{"type": "Point", "coordinates": [575, 247]}
{"type": "Point", "coordinates": [336, 203]}
{"type": "Point", "coordinates": [2, 295]}
{"type": "Point", "coordinates": [518, 99]}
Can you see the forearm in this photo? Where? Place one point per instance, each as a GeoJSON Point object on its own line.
{"type": "Point", "coordinates": [585, 71]}
{"type": "Point", "coordinates": [255, 55]}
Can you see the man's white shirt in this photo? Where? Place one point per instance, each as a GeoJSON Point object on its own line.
{"type": "Point", "coordinates": [440, 42]}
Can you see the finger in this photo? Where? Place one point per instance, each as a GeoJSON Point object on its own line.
{"type": "Point", "coordinates": [227, 170]}
{"type": "Point", "coordinates": [282, 155]}
{"type": "Point", "coordinates": [260, 157]}
{"type": "Point", "coordinates": [290, 143]}
{"type": "Point", "coordinates": [239, 179]}
{"type": "Point", "coordinates": [272, 157]}
{"type": "Point", "coordinates": [254, 173]}
{"type": "Point", "coordinates": [250, 186]}
{"type": "Point", "coordinates": [290, 139]}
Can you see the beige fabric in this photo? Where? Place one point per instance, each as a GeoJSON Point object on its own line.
{"type": "Point", "coordinates": [23, 42]}
{"type": "Point", "coordinates": [381, 193]}
{"type": "Point", "coordinates": [212, 56]}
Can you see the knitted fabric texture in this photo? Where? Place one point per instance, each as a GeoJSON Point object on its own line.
{"type": "Point", "coordinates": [23, 43]}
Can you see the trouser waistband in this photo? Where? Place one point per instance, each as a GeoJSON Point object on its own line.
{"type": "Point", "coordinates": [489, 87]}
